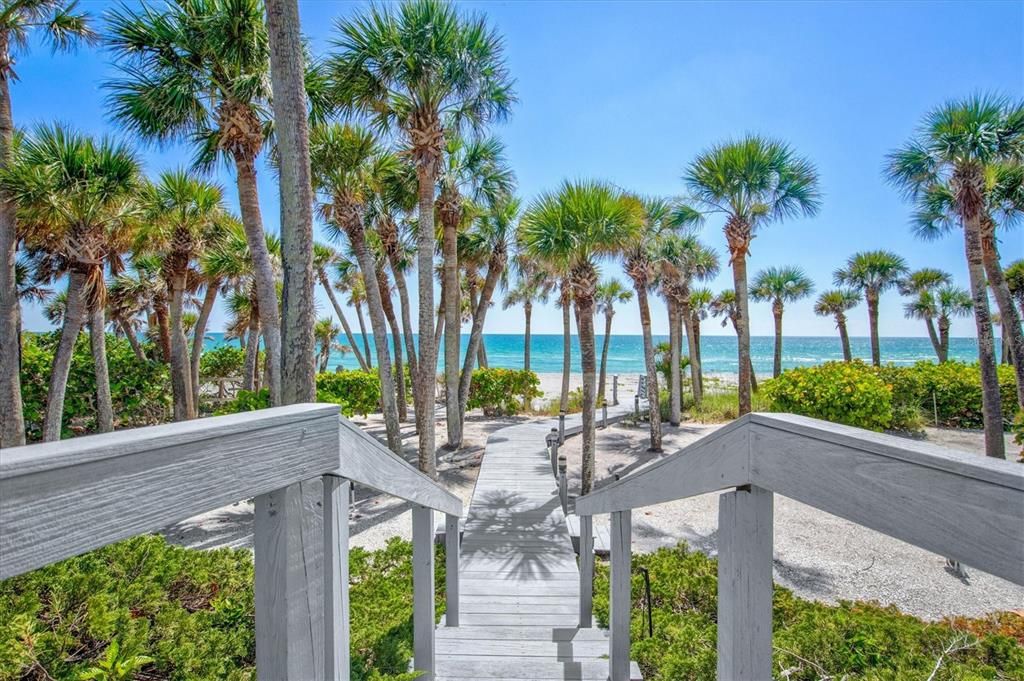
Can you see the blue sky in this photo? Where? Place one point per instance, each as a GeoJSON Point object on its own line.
{"type": "Point", "coordinates": [631, 92]}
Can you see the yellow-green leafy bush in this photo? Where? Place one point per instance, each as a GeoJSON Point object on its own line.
{"type": "Point", "coordinates": [841, 392]}
{"type": "Point", "coordinates": [500, 392]}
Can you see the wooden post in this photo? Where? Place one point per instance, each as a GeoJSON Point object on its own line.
{"type": "Point", "coordinates": [604, 415]}
{"type": "Point", "coordinates": [586, 571]}
{"type": "Point", "coordinates": [288, 543]}
{"type": "Point", "coordinates": [423, 591]}
{"type": "Point", "coordinates": [553, 446]}
{"type": "Point", "coordinates": [619, 598]}
{"type": "Point", "coordinates": [451, 569]}
{"type": "Point", "coordinates": [636, 405]}
{"type": "Point", "coordinates": [561, 427]}
{"type": "Point", "coordinates": [563, 483]}
{"type": "Point", "coordinates": [615, 390]}
{"type": "Point", "coordinates": [745, 584]}
{"type": "Point", "coordinates": [337, 665]}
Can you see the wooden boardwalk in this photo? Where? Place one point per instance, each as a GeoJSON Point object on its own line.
{"type": "Point", "coordinates": [518, 574]}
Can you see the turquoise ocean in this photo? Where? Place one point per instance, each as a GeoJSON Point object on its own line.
{"type": "Point", "coordinates": [625, 354]}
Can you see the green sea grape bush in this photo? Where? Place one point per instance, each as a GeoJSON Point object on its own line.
{"type": "Point", "coordinates": [355, 392]}
{"type": "Point", "coordinates": [140, 389]}
{"type": "Point", "coordinates": [841, 392]}
{"type": "Point", "coordinates": [223, 361]}
{"type": "Point", "coordinates": [856, 641]}
{"type": "Point", "coordinates": [951, 391]}
{"type": "Point", "coordinates": [143, 606]}
{"type": "Point", "coordinates": [501, 392]}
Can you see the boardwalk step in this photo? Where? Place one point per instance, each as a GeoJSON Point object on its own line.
{"type": "Point", "coordinates": [515, 667]}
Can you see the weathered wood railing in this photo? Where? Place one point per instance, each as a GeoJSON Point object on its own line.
{"type": "Point", "coordinates": [61, 499]}
{"type": "Point", "coordinates": [963, 506]}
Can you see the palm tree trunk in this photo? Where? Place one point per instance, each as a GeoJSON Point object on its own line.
{"type": "Point", "coordinates": [686, 317]}
{"type": "Point", "coordinates": [199, 337]}
{"type": "Point", "coordinates": [739, 276]}
{"type": "Point", "coordinates": [872, 301]}
{"type": "Point", "coordinates": [990, 399]}
{"type": "Point", "coordinates": [366, 339]}
{"type": "Point", "coordinates": [528, 314]}
{"type": "Point", "coordinates": [481, 354]}
{"type": "Point", "coordinates": [452, 332]}
{"type": "Point", "coordinates": [403, 304]}
{"type": "Point", "coordinates": [777, 363]}
{"type": "Point", "coordinates": [943, 340]}
{"type": "Point", "coordinates": [181, 373]}
{"type": "Point", "coordinates": [12, 425]}
{"type": "Point", "coordinates": [424, 384]}
{"type": "Point", "coordinates": [844, 337]}
{"type": "Point", "coordinates": [326, 284]}
{"type": "Point", "coordinates": [585, 327]}
{"type": "Point", "coordinates": [252, 351]}
{"type": "Point", "coordinates": [695, 328]}
{"type": "Point", "coordinates": [98, 345]}
{"type": "Point", "coordinates": [163, 328]}
{"type": "Point", "coordinates": [675, 379]}
{"type": "Point", "coordinates": [933, 336]}
{"type": "Point", "coordinates": [563, 404]}
{"type": "Point", "coordinates": [653, 398]}
{"type": "Point", "coordinates": [375, 306]}
{"type": "Point", "coordinates": [291, 121]}
{"type": "Point", "coordinates": [133, 340]}
{"type": "Point", "coordinates": [266, 286]}
{"type": "Point", "coordinates": [609, 313]}
{"type": "Point", "coordinates": [73, 317]}
{"type": "Point", "coordinates": [495, 266]}
{"type": "Point", "coordinates": [396, 340]}
{"type": "Point", "coordinates": [1013, 335]}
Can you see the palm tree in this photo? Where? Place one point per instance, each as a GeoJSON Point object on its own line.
{"type": "Point", "coordinates": [836, 303]}
{"type": "Point", "coordinates": [1014, 273]}
{"type": "Point", "coordinates": [471, 171]}
{"type": "Point", "coordinates": [753, 182]}
{"type": "Point", "coordinates": [326, 333]}
{"type": "Point", "coordinates": [571, 228]}
{"type": "Point", "coordinates": [532, 286]}
{"type": "Point", "coordinates": [700, 302]}
{"type": "Point", "coordinates": [609, 293]}
{"type": "Point", "coordinates": [63, 27]}
{"type": "Point", "coordinates": [780, 285]}
{"type": "Point", "coordinates": [922, 283]}
{"type": "Point", "coordinates": [490, 238]}
{"type": "Point", "coordinates": [425, 71]}
{"type": "Point", "coordinates": [124, 304]}
{"type": "Point", "coordinates": [323, 256]}
{"type": "Point", "coordinates": [950, 301]}
{"type": "Point", "coordinates": [76, 202]}
{"type": "Point", "coordinates": [198, 72]}
{"type": "Point", "coordinates": [349, 166]}
{"type": "Point", "coordinates": [952, 149]}
{"type": "Point", "coordinates": [872, 273]}
{"type": "Point", "coordinates": [724, 305]}
{"type": "Point", "coordinates": [182, 216]}
{"type": "Point", "coordinates": [351, 281]}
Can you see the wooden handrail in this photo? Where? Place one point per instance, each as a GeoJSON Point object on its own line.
{"type": "Point", "coordinates": [960, 505]}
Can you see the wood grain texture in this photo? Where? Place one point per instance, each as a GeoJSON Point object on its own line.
{"type": "Point", "coordinates": [61, 499]}
{"type": "Point", "coordinates": [365, 461]}
{"type": "Point", "coordinates": [586, 571]}
{"type": "Point", "coordinates": [423, 591]}
{"type": "Point", "coordinates": [451, 557]}
{"type": "Point", "coordinates": [337, 626]}
{"type": "Point", "coordinates": [745, 585]}
{"type": "Point", "coordinates": [620, 603]}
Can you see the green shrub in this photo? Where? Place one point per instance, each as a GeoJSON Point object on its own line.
{"type": "Point", "coordinates": [950, 391]}
{"type": "Point", "coordinates": [140, 390]}
{"type": "Point", "coordinates": [554, 407]}
{"type": "Point", "coordinates": [191, 612]}
{"type": "Point", "coordinates": [223, 361]}
{"type": "Point", "coordinates": [663, 364]}
{"type": "Point", "coordinates": [812, 640]}
{"type": "Point", "coordinates": [500, 392]}
{"type": "Point", "coordinates": [842, 392]}
{"type": "Point", "coordinates": [356, 392]}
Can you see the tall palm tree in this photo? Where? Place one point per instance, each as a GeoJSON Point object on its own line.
{"type": "Point", "coordinates": [1014, 274]}
{"type": "Point", "coordinates": [182, 216]}
{"type": "Point", "coordinates": [572, 228]}
{"type": "Point", "coordinates": [124, 305]}
{"type": "Point", "coordinates": [323, 256]}
{"type": "Point", "coordinates": [59, 24]}
{"type": "Point", "coordinates": [780, 285]}
{"type": "Point", "coordinates": [532, 286]}
{"type": "Point", "coordinates": [326, 333]}
{"type": "Point", "coordinates": [425, 71]}
{"type": "Point", "coordinates": [199, 72]}
{"type": "Point", "coordinates": [700, 302]}
{"type": "Point", "coordinates": [610, 293]}
{"type": "Point", "coordinates": [76, 201]}
{"type": "Point", "coordinates": [952, 148]}
{"type": "Point", "coordinates": [950, 301]}
{"type": "Point", "coordinates": [351, 281]}
{"type": "Point", "coordinates": [471, 171]}
{"type": "Point", "coordinates": [872, 273]}
{"type": "Point", "coordinates": [724, 305]}
{"type": "Point", "coordinates": [753, 181]}
{"type": "Point", "coordinates": [922, 284]}
{"type": "Point", "coordinates": [349, 166]}
{"type": "Point", "coordinates": [836, 303]}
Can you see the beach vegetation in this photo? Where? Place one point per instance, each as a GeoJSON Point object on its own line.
{"type": "Point", "coordinates": [500, 392]}
{"type": "Point", "coordinates": [356, 392]}
{"type": "Point", "coordinates": [841, 392]}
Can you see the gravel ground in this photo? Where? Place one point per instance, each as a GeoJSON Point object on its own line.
{"type": "Point", "coordinates": [817, 555]}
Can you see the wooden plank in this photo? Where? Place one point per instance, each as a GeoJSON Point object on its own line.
{"type": "Point", "coordinates": [586, 571]}
{"type": "Point", "coordinates": [423, 591]}
{"type": "Point", "coordinates": [365, 461]}
{"type": "Point", "coordinates": [716, 461]}
{"type": "Point", "coordinates": [523, 633]}
{"type": "Point", "coordinates": [337, 630]}
{"type": "Point", "coordinates": [288, 558]}
{"type": "Point", "coordinates": [745, 585]}
{"type": "Point", "coordinates": [620, 602]}
{"type": "Point", "coordinates": [451, 538]}
{"type": "Point", "coordinates": [551, 650]}
{"type": "Point", "coordinates": [528, 668]}
{"type": "Point", "coordinates": [60, 499]}
{"type": "Point", "coordinates": [541, 622]}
